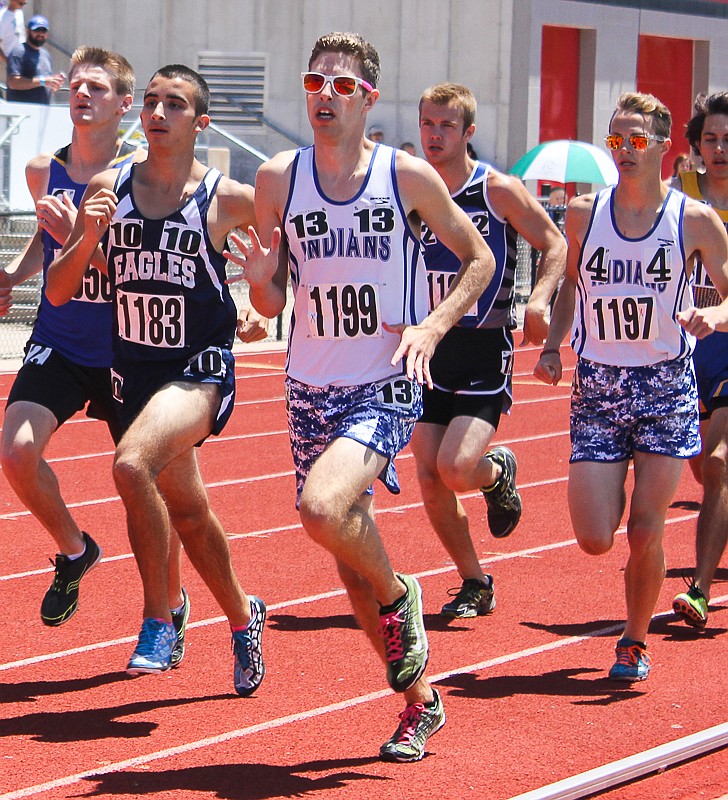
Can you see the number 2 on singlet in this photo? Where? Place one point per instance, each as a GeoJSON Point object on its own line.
{"type": "Point", "coordinates": [158, 321]}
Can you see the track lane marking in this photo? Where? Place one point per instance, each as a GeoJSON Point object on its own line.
{"type": "Point", "coordinates": [263, 727]}
{"type": "Point", "coordinates": [287, 604]}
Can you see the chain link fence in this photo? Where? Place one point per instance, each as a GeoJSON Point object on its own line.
{"type": "Point", "coordinates": [16, 229]}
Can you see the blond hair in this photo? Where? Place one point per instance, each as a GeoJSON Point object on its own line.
{"type": "Point", "coordinates": [115, 64]}
{"type": "Point", "coordinates": [649, 107]}
{"type": "Point", "coordinates": [443, 93]}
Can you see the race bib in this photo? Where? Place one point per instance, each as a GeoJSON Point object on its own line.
{"type": "Point", "coordinates": [623, 319]}
{"type": "Point", "coordinates": [438, 284]}
{"type": "Point", "coordinates": [396, 392]}
{"type": "Point", "coordinates": [344, 310]}
{"type": "Point", "coordinates": [157, 321]}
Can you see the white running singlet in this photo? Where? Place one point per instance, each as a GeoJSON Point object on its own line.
{"type": "Point", "coordinates": [630, 290]}
{"type": "Point", "coordinates": [354, 265]}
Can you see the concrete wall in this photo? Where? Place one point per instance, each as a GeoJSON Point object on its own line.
{"type": "Point", "coordinates": [494, 46]}
{"type": "Point", "coordinates": [612, 42]}
{"type": "Point", "coordinates": [420, 42]}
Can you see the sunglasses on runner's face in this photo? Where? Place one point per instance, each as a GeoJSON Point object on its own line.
{"type": "Point", "coordinates": [637, 141]}
{"type": "Point", "coordinates": [343, 85]}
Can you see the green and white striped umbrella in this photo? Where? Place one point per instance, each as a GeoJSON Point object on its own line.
{"type": "Point", "coordinates": [566, 161]}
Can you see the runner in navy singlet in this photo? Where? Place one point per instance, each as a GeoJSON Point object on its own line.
{"type": "Point", "coordinates": [472, 366]}
{"type": "Point", "coordinates": [707, 132]}
{"type": "Point", "coordinates": [173, 369]}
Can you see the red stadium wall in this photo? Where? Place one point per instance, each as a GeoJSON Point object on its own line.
{"type": "Point", "coordinates": [665, 69]}
{"type": "Point", "coordinates": [559, 85]}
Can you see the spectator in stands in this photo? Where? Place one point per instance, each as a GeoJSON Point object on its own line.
{"type": "Point", "coordinates": [30, 73]}
{"type": "Point", "coordinates": [12, 28]}
{"type": "Point", "coordinates": [375, 134]}
{"type": "Point", "coordinates": [408, 147]}
{"type": "Point", "coordinates": [556, 206]}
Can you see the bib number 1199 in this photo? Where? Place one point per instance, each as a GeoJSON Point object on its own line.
{"type": "Point", "coordinates": [343, 310]}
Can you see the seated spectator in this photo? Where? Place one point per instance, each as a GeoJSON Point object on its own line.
{"type": "Point", "coordinates": [408, 147]}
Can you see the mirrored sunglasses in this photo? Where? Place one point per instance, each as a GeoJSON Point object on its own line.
{"type": "Point", "coordinates": [343, 85]}
{"type": "Point", "coordinates": [637, 141]}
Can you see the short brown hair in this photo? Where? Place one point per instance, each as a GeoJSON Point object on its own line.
{"type": "Point", "coordinates": [443, 93]}
{"type": "Point", "coordinates": [705, 105]}
{"type": "Point", "coordinates": [649, 107]}
{"type": "Point", "coordinates": [114, 63]}
{"type": "Point", "coordinates": [354, 44]}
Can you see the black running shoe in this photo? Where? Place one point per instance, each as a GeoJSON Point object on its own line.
{"type": "Point", "coordinates": [417, 723]}
{"type": "Point", "coordinates": [179, 620]}
{"type": "Point", "coordinates": [405, 639]}
{"type": "Point", "coordinates": [502, 498]}
{"type": "Point", "coordinates": [473, 599]}
{"type": "Point", "coordinates": [61, 600]}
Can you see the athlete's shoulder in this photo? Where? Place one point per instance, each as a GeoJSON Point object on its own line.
{"type": "Point", "coordinates": [279, 164]}
{"type": "Point", "coordinates": [236, 200]}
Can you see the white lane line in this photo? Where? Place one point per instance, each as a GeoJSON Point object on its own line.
{"type": "Point", "coordinates": [236, 481]}
{"type": "Point", "coordinates": [528, 552]}
{"type": "Point", "coordinates": [290, 719]}
{"type": "Point", "coordinates": [656, 759]}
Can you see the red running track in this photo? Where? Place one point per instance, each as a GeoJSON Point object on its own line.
{"type": "Point", "coordinates": [525, 689]}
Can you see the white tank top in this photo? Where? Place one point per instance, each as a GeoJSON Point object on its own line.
{"type": "Point", "coordinates": [354, 265]}
{"type": "Point", "coordinates": [630, 290]}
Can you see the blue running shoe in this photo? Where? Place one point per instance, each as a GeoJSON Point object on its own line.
{"type": "Point", "coordinates": [249, 669]}
{"type": "Point", "coordinates": [632, 664]}
{"type": "Point", "coordinates": [154, 650]}
{"type": "Point", "coordinates": [179, 620]}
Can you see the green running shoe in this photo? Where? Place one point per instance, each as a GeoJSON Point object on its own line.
{"type": "Point", "coordinates": [473, 599]}
{"type": "Point", "coordinates": [405, 639]}
{"type": "Point", "coordinates": [692, 607]}
{"type": "Point", "coordinates": [417, 723]}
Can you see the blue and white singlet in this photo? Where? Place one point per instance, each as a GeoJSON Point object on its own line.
{"type": "Point", "coordinates": [354, 265]}
{"type": "Point", "coordinates": [629, 290]}
{"type": "Point", "coordinates": [80, 330]}
{"type": "Point", "coordinates": [170, 296]}
{"type": "Point", "coordinates": [495, 307]}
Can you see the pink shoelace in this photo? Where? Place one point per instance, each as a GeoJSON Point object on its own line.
{"type": "Point", "coordinates": [390, 626]}
{"type": "Point", "coordinates": [410, 717]}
